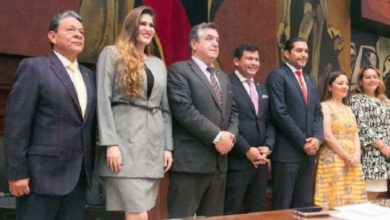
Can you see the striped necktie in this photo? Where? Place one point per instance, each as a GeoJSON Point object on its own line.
{"type": "Point", "coordinates": [215, 85]}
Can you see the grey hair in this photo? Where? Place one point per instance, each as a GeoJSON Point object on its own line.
{"type": "Point", "coordinates": [195, 31]}
{"type": "Point", "coordinates": [55, 21]}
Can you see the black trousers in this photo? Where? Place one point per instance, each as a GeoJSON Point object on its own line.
{"type": "Point", "coordinates": [52, 207]}
{"type": "Point", "coordinates": [192, 193]}
{"type": "Point", "coordinates": [245, 190]}
{"type": "Point", "coordinates": [292, 184]}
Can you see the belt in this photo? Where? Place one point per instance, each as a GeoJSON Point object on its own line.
{"type": "Point", "coordinates": [145, 107]}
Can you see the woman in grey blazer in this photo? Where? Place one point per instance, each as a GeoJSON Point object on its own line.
{"type": "Point", "coordinates": [135, 130]}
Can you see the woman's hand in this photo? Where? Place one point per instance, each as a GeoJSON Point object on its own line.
{"type": "Point", "coordinates": [167, 160]}
{"type": "Point", "coordinates": [114, 158]}
{"type": "Point", "coordinates": [353, 160]}
{"type": "Point", "coordinates": [385, 150]}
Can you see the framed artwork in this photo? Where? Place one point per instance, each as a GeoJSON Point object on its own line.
{"type": "Point", "coordinates": [371, 16]}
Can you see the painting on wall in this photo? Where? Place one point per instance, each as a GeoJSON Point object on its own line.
{"type": "Point", "coordinates": [371, 16]}
{"type": "Point", "coordinates": [102, 21]}
{"type": "Point", "coordinates": [174, 21]}
{"type": "Point", "coordinates": [326, 27]}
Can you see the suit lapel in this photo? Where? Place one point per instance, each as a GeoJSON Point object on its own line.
{"type": "Point", "coordinates": [198, 72]}
{"type": "Point", "coordinates": [293, 80]}
{"type": "Point", "coordinates": [156, 76]}
{"type": "Point", "coordinates": [59, 70]}
{"type": "Point", "coordinates": [144, 94]}
{"type": "Point", "coordinates": [89, 90]}
{"type": "Point", "coordinates": [260, 95]}
{"type": "Point", "coordinates": [309, 87]}
{"type": "Point", "coordinates": [243, 93]}
{"type": "Point", "coordinates": [222, 84]}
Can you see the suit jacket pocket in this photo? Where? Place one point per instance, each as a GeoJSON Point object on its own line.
{"type": "Point", "coordinates": [44, 150]}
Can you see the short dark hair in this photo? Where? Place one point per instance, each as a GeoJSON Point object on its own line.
{"type": "Point", "coordinates": [195, 31]}
{"type": "Point", "coordinates": [290, 43]}
{"type": "Point", "coordinates": [330, 78]}
{"type": "Point", "coordinates": [55, 21]}
{"type": "Point", "coordinates": [244, 47]}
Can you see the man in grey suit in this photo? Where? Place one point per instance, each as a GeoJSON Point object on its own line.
{"type": "Point", "coordinates": [50, 128]}
{"type": "Point", "coordinates": [205, 124]}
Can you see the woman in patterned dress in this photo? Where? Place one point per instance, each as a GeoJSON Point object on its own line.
{"type": "Point", "coordinates": [372, 111]}
{"type": "Point", "coordinates": [339, 178]}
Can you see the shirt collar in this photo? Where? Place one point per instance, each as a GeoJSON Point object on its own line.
{"type": "Point", "coordinates": [65, 61]}
{"type": "Point", "coordinates": [293, 69]}
{"type": "Point", "coordinates": [200, 63]}
{"type": "Point", "coordinates": [241, 77]}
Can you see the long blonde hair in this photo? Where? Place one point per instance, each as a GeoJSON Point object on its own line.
{"type": "Point", "coordinates": [132, 61]}
{"type": "Point", "coordinates": [380, 90]}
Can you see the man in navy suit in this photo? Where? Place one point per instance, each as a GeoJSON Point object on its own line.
{"type": "Point", "coordinates": [246, 179]}
{"type": "Point", "coordinates": [297, 117]}
{"type": "Point", "coordinates": [49, 128]}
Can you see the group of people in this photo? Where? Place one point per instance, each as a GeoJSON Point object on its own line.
{"type": "Point", "coordinates": [216, 134]}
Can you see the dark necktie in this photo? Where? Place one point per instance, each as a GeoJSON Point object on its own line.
{"type": "Point", "coordinates": [215, 85]}
{"type": "Point", "coordinates": [302, 85]}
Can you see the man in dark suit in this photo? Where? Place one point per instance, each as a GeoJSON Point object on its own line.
{"type": "Point", "coordinates": [247, 162]}
{"type": "Point", "coordinates": [49, 128]}
{"type": "Point", "coordinates": [297, 117]}
{"type": "Point", "coordinates": [205, 123]}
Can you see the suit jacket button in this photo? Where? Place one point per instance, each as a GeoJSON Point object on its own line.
{"type": "Point", "coordinates": [81, 150]}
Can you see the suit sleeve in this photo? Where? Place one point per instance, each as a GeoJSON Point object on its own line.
{"type": "Point", "coordinates": [167, 120]}
{"type": "Point", "coordinates": [233, 118]}
{"type": "Point", "coordinates": [241, 146]}
{"type": "Point", "coordinates": [318, 121]}
{"type": "Point", "coordinates": [280, 115]}
{"type": "Point", "coordinates": [186, 114]}
{"type": "Point", "coordinates": [19, 117]}
{"type": "Point", "coordinates": [270, 132]}
{"type": "Point", "coordinates": [105, 78]}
